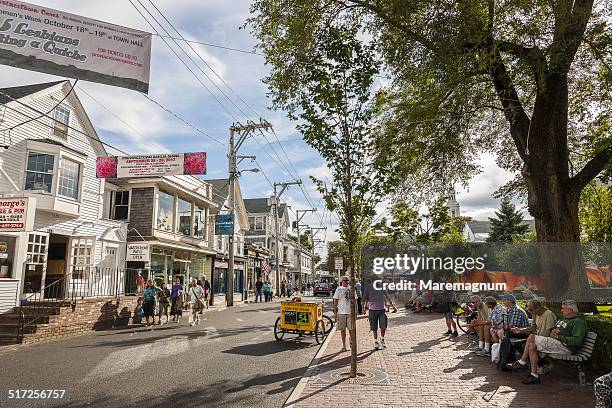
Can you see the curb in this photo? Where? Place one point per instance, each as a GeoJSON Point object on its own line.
{"type": "Point", "coordinates": [297, 391]}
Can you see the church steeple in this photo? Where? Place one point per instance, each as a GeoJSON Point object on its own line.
{"type": "Point", "coordinates": [454, 210]}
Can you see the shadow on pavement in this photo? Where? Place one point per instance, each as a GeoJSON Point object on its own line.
{"type": "Point", "coordinates": [290, 379]}
{"type": "Point", "coordinates": [269, 347]}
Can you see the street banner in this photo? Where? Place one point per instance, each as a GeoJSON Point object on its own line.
{"type": "Point", "coordinates": [14, 214]}
{"type": "Point", "coordinates": [46, 40]}
{"type": "Point", "coordinates": [224, 224]}
{"type": "Point", "coordinates": [151, 165]}
{"type": "Point", "coordinates": [137, 252]}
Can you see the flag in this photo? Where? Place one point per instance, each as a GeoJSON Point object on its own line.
{"type": "Point", "coordinates": [265, 266]}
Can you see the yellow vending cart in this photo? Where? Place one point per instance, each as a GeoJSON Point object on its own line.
{"type": "Point", "coordinates": [302, 318]}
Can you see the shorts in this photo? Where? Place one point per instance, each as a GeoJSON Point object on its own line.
{"type": "Point", "coordinates": [548, 345]}
{"type": "Point", "coordinates": [344, 322]}
{"type": "Point", "coordinates": [163, 309]}
{"type": "Point", "coordinates": [448, 315]}
{"type": "Point", "coordinates": [196, 305]}
{"type": "Point", "coordinates": [378, 318]}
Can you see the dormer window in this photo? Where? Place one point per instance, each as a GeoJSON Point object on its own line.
{"type": "Point", "coordinates": [62, 119]}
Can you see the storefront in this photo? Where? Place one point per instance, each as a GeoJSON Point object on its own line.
{"type": "Point", "coordinates": [220, 279]}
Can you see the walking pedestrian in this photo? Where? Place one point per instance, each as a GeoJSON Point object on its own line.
{"type": "Point", "coordinates": [138, 312]}
{"type": "Point", "coordinates": [196, 294]}
{"type": "Point", "coordinates": [334, 286]}
{"type": "Point", "coordinates": [176, 297]}
{"type": "Point", "coordinates": [207, 289]}
{"type": "Point", "coordinates": [289, 288]}
{"type": "Point", "coordinates": [203, 303]}
{"type": "Point", "coordinates": [342, 310]}
{"type": "Point", "coordinates": [358, 295]}
{"type": "Point", "coordinates": [258, 290]}
{"type": "Point", "coordinates": [149, 295]}
{"type": "Point", "coordinates": [374, 302]}
{"type": "Point", "coordinates": [163, 297]}
{"type": "Point", "coordinates": [283, 288]}
{"type": "Point", "coordinates": [308, 287]}
{"type": "Point", "coordinates": [266, 291]}
{"type": "Point", "coordinates": [446, 304]}
{"type": "Point", "coordinates": [140, 283]}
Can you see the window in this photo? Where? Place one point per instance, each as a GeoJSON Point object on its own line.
{"type": "Point", "coordinates": [259, 224]}
{"type": "Point", "coordinates": [37, 248]}
{"type": "Point", "coordinates": [39, 171]}
{"type": "Point", "coordinates": [61, 122]}
{"type": "Point", "coordinates": [82, 256]}
{"type": "Point", "coordinates": [68, 185]}
{"type": "Point", "coordinates": [121, 205]}
{"type": "Point", "coordinates": [200, 222]}
{"type": "Point", "coordinates": [184, 217]}
{"type": "Point", "coordinates": [165, 211]}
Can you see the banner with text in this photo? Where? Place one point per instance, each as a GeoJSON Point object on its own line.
{"type": "Point", "coordinates": [151, 165]}
{"type": "Point", "coordinates": [51, 41]}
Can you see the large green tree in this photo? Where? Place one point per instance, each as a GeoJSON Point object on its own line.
{"type": "Point", "coordinates": [507, 223]}
{"type": "Point", "coordinates": [596, 213]}
{"type": "Point", "coordinates": [526, 79]}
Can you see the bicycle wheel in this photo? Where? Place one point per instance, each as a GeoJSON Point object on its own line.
{"type": "Point", "coordinates": [278, 332]}
{"type": "Point", "coordinates": [320, 332]}
{"type": "Point", "coordinates": [328, 323]}
{"type": "Point", "coordinates": [463, 322]}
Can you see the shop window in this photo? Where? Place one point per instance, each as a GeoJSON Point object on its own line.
{"type": "Point", "coordinates": [37, 249]}
{"type": "Point", "coordinates": [165, 211]}
{"type": "Point", "coordinates": [82, 256]}
{"type": "Point", "coordinates": [121, 205]}
{"type": "Point", "coordinates": [200, 222]}
{"type": "Point", "coordinates": [184, 217]}
{"type": "Point", "coordinates": [62, 119]}
{"type": "Point", "coordinates": [39, 171]}
{"type": "Point", "coordinates": [68, 185]}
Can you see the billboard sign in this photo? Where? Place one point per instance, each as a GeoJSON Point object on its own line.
{"type": "Point", "coordinates": [13, 214]}
{"type": "Point", "coordinates": [151, 165]}
{"type": "Point", "coordinates": [224, 224]}
{"type": "Point", "coordinates": [54, 42]}
{"type": "Point", "coordinates": [137, 252]}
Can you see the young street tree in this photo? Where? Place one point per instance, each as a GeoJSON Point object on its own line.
{"type": "Point", "coordinates": [331, 97]}
{"type": "Point", "coordinates": [507, 224]}
{"type": "Point", "coordinates": [528, 80]}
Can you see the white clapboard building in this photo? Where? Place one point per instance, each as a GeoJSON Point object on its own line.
{"type": "Point", "coordinates": [62, 242]}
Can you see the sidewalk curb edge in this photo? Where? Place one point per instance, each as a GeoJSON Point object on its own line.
{"type": "Point", "coordinates": [297, 390]}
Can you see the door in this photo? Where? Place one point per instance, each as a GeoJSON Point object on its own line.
{"type": "Point", "coordinates": [36, 263]}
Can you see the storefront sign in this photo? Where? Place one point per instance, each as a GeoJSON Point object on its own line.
{"type": "Point", "coordinates": [13, 214]}
{"type": "Point", "coordinates": [51, 41]}
{"type": "Point", "coordinates": [151, 165]}
{"type": "Point", "coordinates": [338, 263]}
{"type": "Point", "coordinates": [137, 252]}
{"type": "Point", "coordinates": [224, 224]}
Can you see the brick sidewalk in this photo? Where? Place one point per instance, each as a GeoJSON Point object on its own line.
{"type": "Point", "coordinates": [428, 369]}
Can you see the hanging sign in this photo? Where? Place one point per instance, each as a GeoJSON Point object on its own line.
{"type": "Point", "coordinates": [42, 39]}
{"type": "Point", "coordinates": [151, 165]}
{"type": "Point", "coordinates": [138, 252]}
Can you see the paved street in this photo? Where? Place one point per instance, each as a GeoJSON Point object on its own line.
{"type": "Point", "coordinates": [231, 359]}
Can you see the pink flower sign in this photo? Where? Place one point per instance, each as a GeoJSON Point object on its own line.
{"type": "Point", "coordinates": [194, 163]}
{"type": "Point", "coordinates": [106, 167]}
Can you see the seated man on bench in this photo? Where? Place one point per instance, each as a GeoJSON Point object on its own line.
{"type": "Point", "coordinates": [565, 338]}
{"type": "Point", "coordinates": [544, 320]}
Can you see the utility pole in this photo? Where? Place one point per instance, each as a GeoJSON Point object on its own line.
{"type": "Point", "coordinates": [297, 215]}
{"type": "Point", "coordinates": [314, 230]}
{"type": "Point", "coordinates": [243, 131]}
{"type": "Point", "coordinates": [277, 195]}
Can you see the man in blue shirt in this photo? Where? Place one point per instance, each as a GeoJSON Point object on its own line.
{"type": "Point", "coordinates": [516, 318]}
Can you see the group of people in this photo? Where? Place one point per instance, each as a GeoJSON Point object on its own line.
{"type": "Point", "coordinates": [544, 335]}
{"type": "Point", "coordinates": [161, 301]}
{"type": "Point", "coordinates": [263, 290]}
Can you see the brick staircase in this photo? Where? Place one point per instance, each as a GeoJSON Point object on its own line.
{"type": "Point", "coordinates": [48, 321]}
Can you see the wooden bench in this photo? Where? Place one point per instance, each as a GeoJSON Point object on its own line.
{"type": "Point", "coordinates": [582, 355]}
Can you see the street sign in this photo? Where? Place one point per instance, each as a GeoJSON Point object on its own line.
{"type": "Point", "coordinates": [137, 252]}
{"type": "Point", "coordinates": [224, 224]}
{"type": "Point", "coordinates": [338, 263]}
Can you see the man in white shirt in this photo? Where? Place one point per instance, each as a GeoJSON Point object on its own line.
{"type": "Point", "coordinates": [342, 309]}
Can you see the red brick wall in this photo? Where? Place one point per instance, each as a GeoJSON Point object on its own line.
{"type": "Point", "coordinates": [89, 315]}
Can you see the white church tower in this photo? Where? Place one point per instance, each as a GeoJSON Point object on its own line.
{"type": "Point", "coordinates": [452, 204]}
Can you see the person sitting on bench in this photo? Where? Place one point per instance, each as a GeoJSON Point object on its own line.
{"type": "Point", "coordinates": [567, 337]}
{"type": "Point", "coordinates": [517, 318]}
{"type": "Point", "coordinates": [481, 325]}
{"type": "Point", "coordinates": [424, 300]}
{"type": "Point", "coordinates": [544, 320]}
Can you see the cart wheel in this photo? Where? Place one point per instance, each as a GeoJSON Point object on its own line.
{"type": "Point", "coordinates": [278, 332]}
{"type": "Point", "coordinates": [328, 323]}
{"type": "Point", "coordinates": [320, 332]}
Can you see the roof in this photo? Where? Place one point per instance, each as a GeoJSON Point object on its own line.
{"type": "Point", "coordinates": [484, 227]}
{"type": "Point", "coordinates": [220, 190]}
{"type": "Point", "coordinates": [17, 92]}
{"type": "Point", "coordinates": [260, 205]}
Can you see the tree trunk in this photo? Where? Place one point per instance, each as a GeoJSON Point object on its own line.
{"type": "Point", "coordinates": [553, 199]}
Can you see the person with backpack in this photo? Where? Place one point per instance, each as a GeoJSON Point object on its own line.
{"type": "Point", "coordinates": [446, 304]}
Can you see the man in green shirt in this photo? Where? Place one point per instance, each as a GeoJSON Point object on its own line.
{"type": "Point", "coordinates": [565, 338]}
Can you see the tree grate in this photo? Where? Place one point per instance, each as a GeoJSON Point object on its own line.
{"type": "Point", "coordinates": [367, 376]}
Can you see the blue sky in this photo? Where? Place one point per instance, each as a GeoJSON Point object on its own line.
{"type": "Point", "coordinates": [215, 22]}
